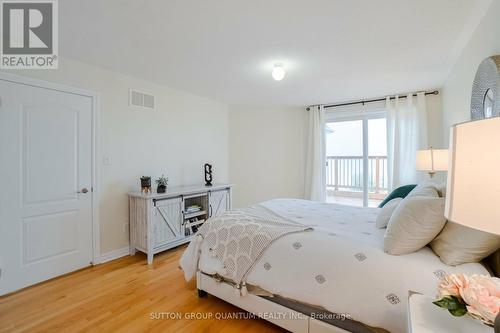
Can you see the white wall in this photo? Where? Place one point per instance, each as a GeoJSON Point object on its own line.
{"type": "Point", "coordinates": [267, 149]}
{"type": "Point", "coordinates": [176, 139]}
{"type": "Point", "coordinates": [435, 120]}
{"type": "Point", "coordinates": [266, 153]}
{"type": "Point", "coordinates": [457, 90]}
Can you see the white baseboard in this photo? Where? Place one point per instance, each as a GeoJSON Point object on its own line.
{"type": "Point", "coordinates": [115, 254]}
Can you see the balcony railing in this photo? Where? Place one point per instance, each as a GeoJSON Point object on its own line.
{"type": "Point", "coordinates": [345, 173]}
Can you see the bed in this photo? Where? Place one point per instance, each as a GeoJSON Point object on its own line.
{"type": "Point", "coordinates": [337, 266]}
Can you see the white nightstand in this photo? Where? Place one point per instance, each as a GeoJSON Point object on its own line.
{"type": "Point", "coordinates": [425, 317]}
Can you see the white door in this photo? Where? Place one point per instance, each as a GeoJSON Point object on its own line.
{"type": "Point", "coordinates": [46, 166]}
{"type": "Point", "coordinates": [218, 202]}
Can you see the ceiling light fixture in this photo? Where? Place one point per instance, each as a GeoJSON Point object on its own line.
{"type": "Point", "coordinates": [278, 72]}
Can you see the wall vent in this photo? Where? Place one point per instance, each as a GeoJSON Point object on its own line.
{"type": "Point", "coordinates": [141, 99]}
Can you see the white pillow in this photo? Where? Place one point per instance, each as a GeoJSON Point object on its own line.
{"type": "Point", "coordinates": [426, 189]}
{"type": "Point", "coordinates": [385, 212]}
{"type": "Point", "coordinates": [415, 222]}
{"type": "Point", "coordinates": [442, 190]}
{"type": "Point", "coordinates": [458, 244]}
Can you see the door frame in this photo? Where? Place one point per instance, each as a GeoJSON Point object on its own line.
{"type": "Point", "coordinates": [95, 169]}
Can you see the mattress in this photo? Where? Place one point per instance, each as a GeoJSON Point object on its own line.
{"type": "Point", "coordinates": [341, 267]}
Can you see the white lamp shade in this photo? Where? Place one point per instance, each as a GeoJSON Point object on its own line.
{"type": "Point", "coordinates": [432, 160]}
{"type": "Point", "coordinates": [473, 191]}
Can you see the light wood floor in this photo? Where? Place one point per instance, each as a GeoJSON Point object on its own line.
{"type": "Point", "coordinates": [121, 296]}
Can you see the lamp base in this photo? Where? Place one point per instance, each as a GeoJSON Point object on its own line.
{"type": "Point", "coordinates": [497, 324]}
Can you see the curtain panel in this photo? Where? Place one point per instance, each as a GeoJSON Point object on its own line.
{"type": "Point", "coordinates": [315, 182]}
{"type": "Point", "coordinates": [406, 133]}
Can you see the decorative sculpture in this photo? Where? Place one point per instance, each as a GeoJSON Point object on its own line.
{"type": "Point", "coordinates": [208, 174]}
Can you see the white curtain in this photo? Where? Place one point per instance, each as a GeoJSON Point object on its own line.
{"type": "Point", "coordinates": [406, 133]}
{"type": "Point", "coordinates": [315, 182]}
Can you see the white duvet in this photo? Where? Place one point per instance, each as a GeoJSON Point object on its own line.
{"type": "Point", "coordinates": [341, 265]}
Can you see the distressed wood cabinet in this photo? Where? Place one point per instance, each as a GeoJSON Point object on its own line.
{"type": "Point", "coordinates": [161, 221]}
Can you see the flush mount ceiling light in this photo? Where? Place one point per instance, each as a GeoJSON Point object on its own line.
{"type": "Point", "coordinates": [278, 72]}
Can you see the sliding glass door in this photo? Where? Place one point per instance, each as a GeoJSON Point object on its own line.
{"type": "Point", "coordinates": [356, 160]}
{"type": "Point", "coordinates": [377, 161]}
{"type": "Point", "coordinates": [344, 162]}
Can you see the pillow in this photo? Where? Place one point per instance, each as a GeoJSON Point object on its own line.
{"type": "Point", "coordinates": [385, 213]}
{"type": "Point", "coordinates": [400, 192]}
{"type": "Point", "coordinates": [414, 223]}
{"type": "Point", "coordinates": [458, 244]}
{"type": "Point", "coordinates": [493, 261]}
{"type": "Point", "coordinates": [442, 190]}
{"type": "Point", "coordinates": [426, 189]}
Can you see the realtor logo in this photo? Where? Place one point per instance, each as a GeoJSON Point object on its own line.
{"type": "Point", "coordinates": [29, 34]}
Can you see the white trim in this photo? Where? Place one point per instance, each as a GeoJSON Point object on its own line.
{"type": "Point", "coordinates": [365, 161]}
{"type": "Point", "coordinates": [96, 184]}
{"type": "Point", "coordinates": [115, 254]}
{"type": "Point", "coordinates": [96, 248]}
{"type": "Point", "coordinates": [45, 84]}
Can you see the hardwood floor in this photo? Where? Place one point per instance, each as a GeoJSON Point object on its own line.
{"type": "Point", "coordinates": [125, 295]}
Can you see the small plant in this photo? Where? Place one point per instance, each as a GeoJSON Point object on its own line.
{"type": "Point", "coordinates": [162, 184]}
{"type": "Point", "coordinates": [162, 181]}
{"type": "Point", "coordinates": [145, 184]}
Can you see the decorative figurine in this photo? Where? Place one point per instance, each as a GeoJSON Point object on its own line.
{"type": "Point", "coordinates": [208, 174]}
{"type": "Point", "coordinates": [146, 184]}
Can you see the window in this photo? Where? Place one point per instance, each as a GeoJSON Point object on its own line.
{"type": "Point", "coordinates": [356, 158]}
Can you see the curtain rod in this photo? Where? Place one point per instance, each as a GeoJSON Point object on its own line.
{"type": "Point", "coordinates": [381, 99]}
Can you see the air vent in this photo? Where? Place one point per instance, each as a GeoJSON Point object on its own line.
{"type": "Point", "coordinates": [141, 99]}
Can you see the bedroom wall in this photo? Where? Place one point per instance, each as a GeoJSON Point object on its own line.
{"type": "Point", "coordinates": [435, 120]}
{"type": "Point", "coordinates": [176, 139]}
{"type": "Point", "coordinates": [458, 86]}
{"type": "Point", "coordinates": [267, 149]}
{"type": "Point", "coordinates": [266, 153]}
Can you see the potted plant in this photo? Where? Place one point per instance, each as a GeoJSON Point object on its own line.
{"type": "Point", "coordinates": [162, 184]}
{"type": "Point", "coordinates": [145, 184]}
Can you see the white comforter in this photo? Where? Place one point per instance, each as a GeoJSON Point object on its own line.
{"type": "Point", "coordinates": [341, 265]}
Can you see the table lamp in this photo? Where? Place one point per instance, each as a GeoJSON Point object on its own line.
{"type": "Point", "coordinates": [473, 190]}
{"type": "Point", "coordinates": [432, 160]}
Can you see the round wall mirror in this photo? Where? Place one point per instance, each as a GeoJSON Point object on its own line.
{"type": "Point", "coordinates": [489, 103]}
{"type": "Point", "coordinates": [485, 101]}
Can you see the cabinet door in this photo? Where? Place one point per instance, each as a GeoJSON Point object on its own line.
{"type": "Point", "coordinates": [219, 202]}
{"type": "Point", "coordinates": [167, 221]}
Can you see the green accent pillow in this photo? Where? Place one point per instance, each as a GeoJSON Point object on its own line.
{"type": "Point", "coordinates": [400, 192]}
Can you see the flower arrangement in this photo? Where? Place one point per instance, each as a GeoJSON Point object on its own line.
{"type": "Point", "coordinates": [477, 296]}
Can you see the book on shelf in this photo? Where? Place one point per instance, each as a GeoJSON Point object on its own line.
{"type": "Point", "coordinates": [193, 209]}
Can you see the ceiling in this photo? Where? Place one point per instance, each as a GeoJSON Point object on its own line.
{"type": "Point", "coordinates": [333, 50]}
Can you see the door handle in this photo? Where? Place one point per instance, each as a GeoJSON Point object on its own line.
{"type": "Point", "coordinates": [84, 190]}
